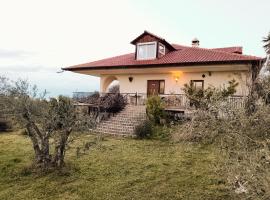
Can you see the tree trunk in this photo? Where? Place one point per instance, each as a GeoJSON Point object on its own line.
{"type": "Point", "coordinates": [252, 97]}
{"type": "Point", "coordinates": [32, 135]}
{"type": "Point", "coordinates": [41, 146]}
{"type": "Point", "coordinates": [60, 149]}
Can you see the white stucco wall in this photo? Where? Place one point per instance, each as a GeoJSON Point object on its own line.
{"type": "Point", "coordinates": [139, 83]}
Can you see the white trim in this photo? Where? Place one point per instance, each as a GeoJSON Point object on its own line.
{"type": "Point", "coordinates": [143, 43]}
{"type": "Point", "coordinates": [162, 52]}
{"type": "Point", "coordinates": [146, 43]}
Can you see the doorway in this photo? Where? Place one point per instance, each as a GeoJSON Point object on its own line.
{"type": "Point", "coordinates": [155, 87]}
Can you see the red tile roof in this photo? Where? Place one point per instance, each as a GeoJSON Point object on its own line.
{"type": "Point", "coordinates": [238, 50]}
{"type": "Point", "coordinates": [180, 55]}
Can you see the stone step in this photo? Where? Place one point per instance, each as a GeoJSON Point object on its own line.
{"type": "Point", "coordinates": [114, 131]}
{"type": "Point", "coordinates": [124, 120]}
{"type": "Point", "coordinates": [116, 126]}
{"type": "Point", "coordinates": [120, 128]}
{"type": "Point", "coordinates": [123, 123]}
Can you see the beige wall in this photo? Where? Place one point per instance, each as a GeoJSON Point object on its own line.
{"type": "Point", "coordinates": [139, 83]}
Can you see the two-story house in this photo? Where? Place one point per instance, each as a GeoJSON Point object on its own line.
{"type": "Point", "coordinates": [159, 67]}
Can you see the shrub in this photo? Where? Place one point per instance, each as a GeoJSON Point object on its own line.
{"type": "Point", "coordinates": [114, 89]}
{"type": "Point", "coordinates": [244, 142]}
{"type": "Point", "coordinates": [144, 130]}
{"type": "Point", "coordinates": [5, 125]}
{"type": "Point", "coordinates": [113, 103]}
{"type": "Point", "coordinates": [203, 99]}
{"type": "Point", "coordinates": [91, 99]}
{"type": "Point", "coordinates": [155, 109]}
{"type": "Point", "coordinates": [161, 133]}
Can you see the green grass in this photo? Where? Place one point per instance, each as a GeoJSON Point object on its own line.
{"type": "Point", "coordinates": [115, 169]}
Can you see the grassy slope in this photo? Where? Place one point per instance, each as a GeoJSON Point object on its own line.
{"type": "Point", "coordinates": [118, 169]}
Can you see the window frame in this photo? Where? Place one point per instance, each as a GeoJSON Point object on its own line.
{"type": "Point", "coordinates": [164, 49]}
{"type": "Point", "coordinates": [198, 81]}
{"type": "Point", "coordinates": [163, 88]}
{"type": "Point", "coordinates": [146, 43]}
{"type": "Point", "coordinates": [159, 81]}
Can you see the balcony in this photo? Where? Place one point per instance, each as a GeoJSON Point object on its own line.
{"type": "Point", "coordinates": [172, 102]}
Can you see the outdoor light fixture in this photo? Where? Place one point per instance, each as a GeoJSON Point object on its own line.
{"type": "Point", "coordinates": [176, 75]}
{"type": "Point", "coordinates": [130, 79]}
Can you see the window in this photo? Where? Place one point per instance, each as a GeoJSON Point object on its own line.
{"type": "Point", "coordinates": [161, 49]}
{"type": "Point", "coordinates": [146, 50]}
{"type": "Point", "coordinates": [161, 87]}
{"type": "Point", "coordinates": [155, 87]}
{"type": "Point", "coordinates": [198, 84]}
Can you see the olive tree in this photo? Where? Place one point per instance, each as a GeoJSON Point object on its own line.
{"type": "Point", "coordinates": [48, 123]}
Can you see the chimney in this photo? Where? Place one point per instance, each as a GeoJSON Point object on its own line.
{"type": "Point", "coordinates": [195, 42]}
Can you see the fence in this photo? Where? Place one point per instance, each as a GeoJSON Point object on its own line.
{"type": "Point", "coordinates": [177, 101]}
{"type": "Point", "coordinates": [237, 101]}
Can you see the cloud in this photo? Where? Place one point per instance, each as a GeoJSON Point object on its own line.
{"type": "Point", "coordinates": [25, 61]}
{"type": "Point", "coordinates": [4, 53]}
{"type": "Point", "coordinates": [24, 68]}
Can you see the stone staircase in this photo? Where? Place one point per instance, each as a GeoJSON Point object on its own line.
{"type": "Point", "coordinates": [124, 122]}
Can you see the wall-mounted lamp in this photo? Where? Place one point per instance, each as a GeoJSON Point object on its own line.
{"type": "Point", "coordinates": [209, 73]}
{"type": "Point", "coordinates": [130, 79]}
{"type": "Point", "coordinates": [176, 75]}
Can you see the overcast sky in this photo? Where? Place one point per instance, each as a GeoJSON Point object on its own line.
{"type": "Point", "coordinates": [38, 37]}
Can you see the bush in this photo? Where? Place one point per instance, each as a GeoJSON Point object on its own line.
{"type": "Point", "coordinates": [92, 98]}
{"type": "Point", "coordinates": [144, 130]}
{"type": "Point", "coordinates": [5, 125]}
{"type": "Point", "coordinates": [203, 98]}
{"type": "Point", "coordinates": [162, 133]}
{"type": "Point", "coordinates": [114, 89]}
{"type": "Point", "coordinates": [113, 103]}
{"type": "Point", "coordinates": [244, 142]}
{"type": "Point", "coordinates": [155, 109]}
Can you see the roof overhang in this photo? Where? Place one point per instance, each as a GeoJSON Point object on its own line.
{"type": "Point", "coordinates": [159, 69]}
{"type": "Point", "coordinates": [186, 64]}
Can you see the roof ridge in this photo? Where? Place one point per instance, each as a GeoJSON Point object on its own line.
{"type": "Point", "coordinates": [227, 47]}
{"type": "Point", "coordinates": [228, 53]}
{"type": "Point", "coordinates": [219, 51]}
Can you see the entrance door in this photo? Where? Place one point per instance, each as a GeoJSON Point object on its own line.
{"type": "Point", "coordinates": [153, 87]}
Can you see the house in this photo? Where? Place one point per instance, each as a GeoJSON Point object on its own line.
{"type": "Point", "coordinates": [159, 67]}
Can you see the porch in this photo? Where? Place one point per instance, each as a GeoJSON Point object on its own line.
{"type": "Point", "coordinates": [173, 102]}
{"type": "Point", "coordinates": [177, 107]}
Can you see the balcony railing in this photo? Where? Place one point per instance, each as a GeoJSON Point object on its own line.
{"type": "Point", "coordinates": [174, 101]}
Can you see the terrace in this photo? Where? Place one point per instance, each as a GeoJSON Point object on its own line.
{"type": "Point", "coordinates": [177, 103]}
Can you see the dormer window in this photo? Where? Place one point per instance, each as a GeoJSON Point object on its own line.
{"type": "Point", "coordinates": [161, 49]}
{"type": "Point", "coordinates": [146, 51]}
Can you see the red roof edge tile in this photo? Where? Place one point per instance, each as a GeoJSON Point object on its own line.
{"type": "Point", "coordinates": [155, 36]}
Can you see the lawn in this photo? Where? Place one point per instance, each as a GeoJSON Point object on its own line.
{"type": "Point", "coordinates": [113, 169]}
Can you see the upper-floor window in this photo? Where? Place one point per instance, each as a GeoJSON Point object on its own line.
{"type": "Point", "coordinates": [161, 49]}
{"type": "Point", "coordinates": [146, 50]}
